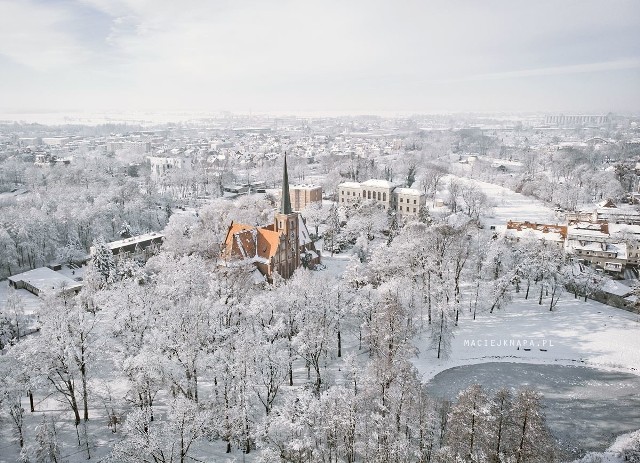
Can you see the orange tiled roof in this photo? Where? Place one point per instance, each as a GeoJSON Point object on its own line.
{"type": "Point", "coordinates": [249, 241]}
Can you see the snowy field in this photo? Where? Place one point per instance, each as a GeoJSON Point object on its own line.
{"type": "Point", "coordinates": [575, 333]}
{"type": "Point", "coordinates": [507, 204]}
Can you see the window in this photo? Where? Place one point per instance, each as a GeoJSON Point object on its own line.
{"type": "Point", "coordinates": [401, 200]}
{"type": "Point", "coordinates": [414, 209]}
{"type": "Point", "coordinates": [384, 196]}
{"type": "Point", "coordinates": [414, 201]}
{"type": "Point", "coordinates": [378, 196]}
{"type": "Point", "coordinates": [368, 195]}
{"type": "Point", "coordinates": [407, 208]}
{"type": "Point", "coordinates": [348, 193]}
{"type": "Point", "coordinates": [342, 192]}
{"type": "Point", "coordinates": [342, 199]}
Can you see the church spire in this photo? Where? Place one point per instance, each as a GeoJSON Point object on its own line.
{"type": "Point", "coordinates": [285, 201]}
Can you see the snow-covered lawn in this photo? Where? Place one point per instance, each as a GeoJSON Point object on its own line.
{"type": "Point", "coordinates": [507, 204]}
{"type": "Point", "coordinates": [575, 333]}
{"type": "Point", "coordinates": [612, 454]}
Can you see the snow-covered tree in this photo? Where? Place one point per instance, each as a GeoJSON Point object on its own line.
{"type": "Point", "coordinates": [468, 425]}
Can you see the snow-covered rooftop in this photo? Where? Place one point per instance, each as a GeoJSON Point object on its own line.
{"type": "Point", "coordinates": [134, 240]}
{"type": "Point", "coordinates": [408, 191]}
{"type": "Point", "coordinates": [350, 185]}
{"type": "Point", "coordinates": [615, 228]}
{"type": "Point", "coordinates": [376, 183]}
{"type": "Point", "coordinates": [44, 279]}
{"type": "Point", "coordinates": [529, 233]}
{"type": "Point", "coordinates": [616, 288]}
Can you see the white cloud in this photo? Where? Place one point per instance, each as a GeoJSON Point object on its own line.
{"type": "Point", "coordinates": [616, 65]}
{"type": "Point", "coordinates": [323, 54]}
{"type": "Point", "coordinates": [33, 34]}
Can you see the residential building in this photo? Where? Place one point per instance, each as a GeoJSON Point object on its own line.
{"type": "Point", "coordinates": [161, 165]}
{"type": "Point", "coordinates": [138, 147]}
{"type": "Point", "coordinates": [136, 247]}
{"type": "Point", "coordinates": [553, 234]}
{"type": "Point", "coordinates": [584, 241]}
{"type": "Point", "coordinates": [303, 195]}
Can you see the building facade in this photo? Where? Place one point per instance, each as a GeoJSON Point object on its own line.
{"type": "Point", "coordinates": [303, 195]}
{"type": "Point", "coordinates": [405, 201]}
{"type": "Point", "coordinates": [577, 119]}
{"type": "Point", "coordinates": [161, 165]}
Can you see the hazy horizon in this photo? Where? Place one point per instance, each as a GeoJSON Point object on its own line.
{"type": "Point", "coordinates": [373, 57]}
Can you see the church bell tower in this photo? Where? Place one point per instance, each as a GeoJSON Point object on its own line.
{"type": "Point", "coordinates": [287, 223]}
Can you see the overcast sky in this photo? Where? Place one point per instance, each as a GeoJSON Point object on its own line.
{"type": "Point", "coordinates": [323, 55]}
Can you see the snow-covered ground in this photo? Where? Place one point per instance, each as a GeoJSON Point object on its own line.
{"type": "Point", "coordinates": [31, 302]}
{"type": "Point", "coordinates": [575, 333]}
{"type": "Point", "coordinates": [507, 204]}
{"type": "Point", "coordinates": [612, 454]}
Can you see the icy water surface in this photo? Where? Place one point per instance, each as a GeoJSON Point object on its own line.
{"type": "Point", "coordinates": [586, 408]}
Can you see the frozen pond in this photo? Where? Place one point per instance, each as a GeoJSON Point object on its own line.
{"type": "Point", "coordinates": [586, 408]}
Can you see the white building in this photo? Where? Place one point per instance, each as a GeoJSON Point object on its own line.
{"type": "Point", "coordinates": [406, 201]}
{"type": "Point", "coordinates": [138, 147]}
{"type": "Point", "coordinates": [43, 280]}
{"type": "Point", "coordinates": [161, 165]}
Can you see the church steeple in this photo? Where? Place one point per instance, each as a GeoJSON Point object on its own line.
{"type": "Point", "coordinates": [285, 201]}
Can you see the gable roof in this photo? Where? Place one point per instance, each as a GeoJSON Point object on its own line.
{"type": "Point", "coordinates": [250, 242]}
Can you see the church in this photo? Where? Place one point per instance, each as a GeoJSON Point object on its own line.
{"type": "Point", "coordinates": [281, 246]}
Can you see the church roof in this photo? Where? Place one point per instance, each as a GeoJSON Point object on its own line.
{"type": "Point", "coordinates": [250, 242]}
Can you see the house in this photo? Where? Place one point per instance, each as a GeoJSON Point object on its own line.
{"type": "Point", "coordinates": [140, 246]}
{"type": "Point", "coordinates": [280, 247]}
{"type": "Point", "coordinates": [554, 234]}
{"type": "Point", "coordinates": [585, 241]}
{"type": "Point", "coordinates": [630, 235]}
{"type": "Point", "coordinates": [162, 165]}
{"type": "Point", "coordinates": [616, 294]}
{"type": "Point", "coordinates": [43, 280]}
